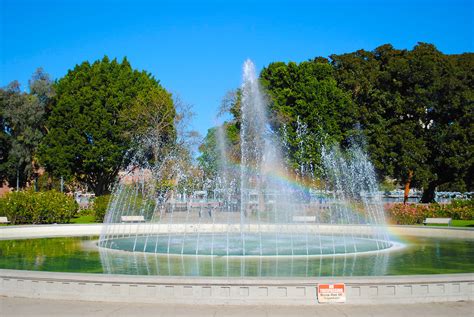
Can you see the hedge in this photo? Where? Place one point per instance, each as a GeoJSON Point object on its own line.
{"type": "Point", "coordinates": [30, 207]}
{"type": "Point", "coordinates": [411, 214]}
{"type": "Point", "coordinates": [99, 207]}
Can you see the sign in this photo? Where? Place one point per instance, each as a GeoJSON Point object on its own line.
{"type": "Point", "coordinates": [332, 293]}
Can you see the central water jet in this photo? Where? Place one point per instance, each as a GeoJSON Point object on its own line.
{"type": "Point", "coordinates": [258, 209]}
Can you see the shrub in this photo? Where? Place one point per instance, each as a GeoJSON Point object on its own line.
{"type": "Point", "coordinates": [29, 207]}
{"type": "Point", "coordinates": [100, 207]}
{"type": "Point", "coordinates": [460, 209]}
{"type": "Point", "coordinates": [409, 214]}
{"type": "Point", "coordinates": [134, 206]}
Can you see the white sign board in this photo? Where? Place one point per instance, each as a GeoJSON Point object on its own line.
{"type": "Point", "coordinates": [332, 293]}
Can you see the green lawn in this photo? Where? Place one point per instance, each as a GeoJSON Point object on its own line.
{"type": "Point", "coordinates": [458, 223]}
{"type": "Point", "coordinates": [83, 219]}
{"type": "Point", "coordinates": [454, 223]}
{"type": "Point", "coordinates": [80, 219]}
{"type": "Point", "coordinates": [462, 223]}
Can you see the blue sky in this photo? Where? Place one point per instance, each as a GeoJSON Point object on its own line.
{"type": "Point", "coordinates": [196, 48]}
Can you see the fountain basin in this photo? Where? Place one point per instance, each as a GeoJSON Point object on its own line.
{"type": "Point", "coordinates": [199, 283]}
{"type": "Point", "coordinates": [421, 251]}
{"type": "Point", "coordinates": [240, 280]}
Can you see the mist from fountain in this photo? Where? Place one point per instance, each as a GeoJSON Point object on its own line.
{"type": "Point", "coordinates": [261, 209]}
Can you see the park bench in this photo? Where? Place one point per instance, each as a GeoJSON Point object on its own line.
{"type": "Point", "coordinates": [304, 218]}
{"type": "Point", "coordinates": [132, 219]}
{"type": "Point", "coordinates": [437, 221]}
{"type": "Point", "coordinates": [4, 220]}
{"type": "Point", "coordinates": [177, 206]}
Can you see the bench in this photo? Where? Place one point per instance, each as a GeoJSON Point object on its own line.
{"type": "Point", "coordinates": [132, 218]}
{"type": "Point", "coordinates": [4, 220]}
{"type": "Point", "coordinates": [437, 221]}
{"type": "Point", "coordinates": [304, 218]}
{"type": "Point", "coordinates": [177, 206]}
{"type": "Point", "coordinates": [209, 204]}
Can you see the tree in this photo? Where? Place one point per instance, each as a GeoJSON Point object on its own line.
{"type": "Point", "coordinates": [303, 96]}
{"type": "Point", "coordinates": [211, 158]}
{"type": "Point", "coordinates": [5, 139]}
{"type": "Point", "coordinates": [99, 110]}
{"type": "Point", "coordinates": [23, 118]}
{"type": "Point", "coordinates": [416, 110]}
{"type": "Point", "coordinates": [451, 126]}
{"type": "Point", "coordinates": [306, 95]}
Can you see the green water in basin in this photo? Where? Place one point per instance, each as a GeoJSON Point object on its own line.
{"type": "Point", "coordinates": [422, 255]}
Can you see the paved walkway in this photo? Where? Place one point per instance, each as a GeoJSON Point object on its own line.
{"type": "Point", "coordinates": [41, 307]}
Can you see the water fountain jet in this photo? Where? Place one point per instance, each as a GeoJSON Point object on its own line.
{"type": "Point", "coordinates": [252, 212]}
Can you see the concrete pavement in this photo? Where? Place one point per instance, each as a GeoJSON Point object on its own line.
{"type": "Point", "coordinates": [41, 307]}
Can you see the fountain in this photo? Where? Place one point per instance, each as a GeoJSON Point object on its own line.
{"type": "Point", "coordinates": [257, 233]}
{"type": "Point", "coordinates": [261, 232]}
{"type": "Point", "coordinates": [255, 210]}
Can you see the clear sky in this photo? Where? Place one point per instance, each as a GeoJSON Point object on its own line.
{"type": "Point", "coordinates": [196, 48]}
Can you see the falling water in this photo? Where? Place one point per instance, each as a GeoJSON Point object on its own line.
{"type": "Point", "coordinates": [262, 209]}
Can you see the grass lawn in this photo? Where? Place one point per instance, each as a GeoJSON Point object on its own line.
{"type": "Point", "coordinates": [458, 223]}
{"type": "Point", "coordinates": [454, 223]}
{"type": "Point", "coordinates": [462, 223]}
{"type": "Point", "coordinates": [80, 219]}
{"type": "Point", "coordinates": [83, 219]}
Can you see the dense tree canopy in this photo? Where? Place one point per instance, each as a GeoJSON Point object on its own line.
{"type": "Point", "coordinates": [211, 158]}
{"type": "Point", "coordinates": [307, 94]}
{"type": "Point", "coordinates": [416, 108]}
{"type": "Point", "coordinates": [5, 138]}
{"type": "Point", "coordinates": [98, 111]}
{"type": "Point", "coordinates": [22, 117]}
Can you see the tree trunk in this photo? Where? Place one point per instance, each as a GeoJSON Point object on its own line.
{"type": "Point", "coordinates": [429, 193]}
{"type": "Point", "coordinates": [100, 189]}
{"type": "Point", "coordinates": [407, 187]}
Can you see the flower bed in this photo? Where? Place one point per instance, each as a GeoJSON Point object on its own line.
{"type": "Point", "coordinates": [411, 214]}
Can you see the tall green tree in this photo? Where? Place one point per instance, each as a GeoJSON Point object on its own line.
{"type": "Point", "coordinates": [416, 110]}
{"type": "Point", "coordinates": [5, 139]}
{"type": "Point", "coordinates": [99, 110]}
{"type": "Point", "coordinates": [451, 127]}
{"type": "Point", "coordinates": [211, 156]}
{"type": "Point", "coordinates": [307, 94]}
{"type": "Point", "coordinates": [23, 118]}
{"type": "Point", "coordinates": [379, 86]}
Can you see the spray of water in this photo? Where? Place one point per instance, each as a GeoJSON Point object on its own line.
{"type": "Point", "coordinates": [165, 208]}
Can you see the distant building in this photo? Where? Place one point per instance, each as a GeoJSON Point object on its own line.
{"type": "Point", "coordinates": [134, 176]}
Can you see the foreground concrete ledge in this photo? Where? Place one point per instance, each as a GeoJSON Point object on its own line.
{"type": "Point", "coordinates": [15, 306]}
{"type": "Point", "coordinates": [233, 291]}
{"type": "Point", "coordinates": [185, 280]}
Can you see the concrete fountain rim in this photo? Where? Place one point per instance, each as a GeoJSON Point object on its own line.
{"type": "Point", "coordinates": [190, 290]}
{"type": "Point", "coordinates": [11, 232]}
